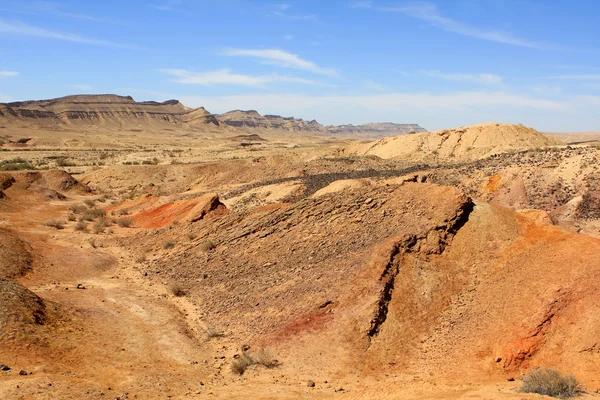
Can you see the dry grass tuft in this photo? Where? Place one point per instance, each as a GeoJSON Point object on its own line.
{"type": "Point", "coordinates": [81, 226]}
{"type": "Point", "coordinates": [124, 222]}
{"type": "Point", "coordinates": [241, 363]}
{"type": "Point", "coordinates": [549, 382]}
{"type": "Point", "coordinates": [262, 357]}
{"type": "Point", "coordinates": [206, 245]}
{"type": "Point", "coordinates": [54, 223]}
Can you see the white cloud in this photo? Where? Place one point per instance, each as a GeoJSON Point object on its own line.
{"type": "Point", "coordinates": [371, 85]}
{"type": "Point", "coordinates": [485, 79]}
{"type": "Point", "coordinates": [8, 73]}
{"type": "Point", "coordinates": [282, 59]}
{"type": "Point", "coordinates": [288, 37]}
{"type": "Point", "coordinates": [361, 4]}
{"type": "Point", "coordinates": [168, 5]}
{"type": "Point", "coordinates": [336, 109]}
{"type": "Point", "coordinates": [548, 90]}
{"type": "Point", "coordinates": [226, 77]}
{"type": "Point", "coordinates": [583, 77]}
{"type": "Point", "coordinates": [428, 12]}
{"type": "Point", "coordinates": [82, 87]}
{"type": "Point", "coordinates": [21, 29]}
{"type": "Point", "coordinates": [280, 10]}
{"type": "Point", "coordinates": [390, 101]}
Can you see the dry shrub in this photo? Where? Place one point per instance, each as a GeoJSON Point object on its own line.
{"type": "Point", "coordinates": [241, 363]}
{"type": "Point", "coordinates": [90, 203]}
{"type": "Point", "coordinates": [206, 245]}
{"type": "Point", "coordinates": [262, 357]}
{"type": "Point", "coordinates": [54, 223]}
{"type": "Point", "coordinates": [211, 332]}
{"type": "Point", "coordinates": [98, 227]}
{"type": "Point", "coordinates": [81, 226]}
{"type": "Point", "coordinates": [124, 222]}
{"type": "Point", "coordinates": [91, 215]}
{"type": "Point", "coordinates": [550, 382]}
{"type": "Point", "coordinates": [191, 235]}
{"type": "Point", "coordinates": [78, 209]}
{"type": "Point", "coordinates": [72, 217]}
{"type": "Point", "coordinates": [168, 245]}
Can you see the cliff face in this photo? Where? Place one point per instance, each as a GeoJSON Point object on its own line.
{"type": "Point", "coordinates": [107, 110]}
{"type": "Point", "coordinates": [252, 119]}
{"type": "Point", "coordinates": [376, 129]}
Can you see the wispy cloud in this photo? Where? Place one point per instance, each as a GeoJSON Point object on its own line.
{"type": "Point", "coordinates": [19, 28]}
{"type": "Point", "coordinates": [288, 37]}
{"type": "Point", "coordinates": [361, 4]}
{"type": "Point", "coordinates": [485, 79]}
{"type": "Point", "coordinates": [50, 8]}
{"type": "Point", "coordinates": [582, 77]}
{"type": "Point", "coordinates": [8, 73]}
{"type": "Point", "coordinates": [226, 77]}
{"type": "Point", "coordinates": [282, 59]}
{"type": "Point", "coordinates": [168, 5]}
{"type": "Point", "coordinates": [429, 13]}
{"type": "Point", "coordinates": [393, 101]}
{"type": "Point", "coordinates": [82, 87]}
{"type": "Point", "coordinates": [433, 110]}
{"type": "Point", "coordinates": [281, 10]}
{"type": "Point", "coordinates": [371, 85]}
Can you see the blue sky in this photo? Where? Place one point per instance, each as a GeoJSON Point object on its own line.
{"type": "Point", "coordinates": [441, 64]}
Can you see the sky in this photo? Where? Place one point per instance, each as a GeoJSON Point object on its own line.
{"type": "Point", "coordinates": [441, 64]}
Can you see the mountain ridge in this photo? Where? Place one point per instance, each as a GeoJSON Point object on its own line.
{"type": "Point", "coordinates": [111, 110]}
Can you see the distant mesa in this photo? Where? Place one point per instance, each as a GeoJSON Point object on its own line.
{"type": "Point", "coordinates": [107, 110]}
{"type": "Point", "coordinates": [111, 111]}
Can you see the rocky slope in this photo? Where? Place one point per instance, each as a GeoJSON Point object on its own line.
{"type": "Point", "coordinates": [464, 143]}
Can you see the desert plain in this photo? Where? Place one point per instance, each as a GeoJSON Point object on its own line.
{"type": "Point", "coordinates": [150, 250]}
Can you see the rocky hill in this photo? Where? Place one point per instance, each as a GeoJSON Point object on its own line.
{"type": "Point", "coordinates": [464, 143]}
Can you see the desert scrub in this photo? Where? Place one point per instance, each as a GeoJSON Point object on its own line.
{"type": "Point", "coordinates": [211, 332]}
{"type": "Point", "coordinates": [168, 244]}
{"type": "Point", "coordinates": [206, 245]}
{"type": "Point", "coordinates": [262, 357]}
{"type": "Point", "coordinates": [240, 364]}
{"type": "Point", "coordinates": [54, 223]}
{"type": "Point", "coordinates": [100, 225]}
{"type": "Point", "coordinates": [550, 382]}
{"type": "Point", "coordinates": [90, 203]}
{"type": "Point", "coordinates": [124, 222]}
{"type": "Point", "coordinates": [15, 164]}
{"type": "Point", "coordinates": [78, 209]}
{"type": "Point", "coordinates": [91, 215]}
{"type": "Point", "coordinates": [81, 226]}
